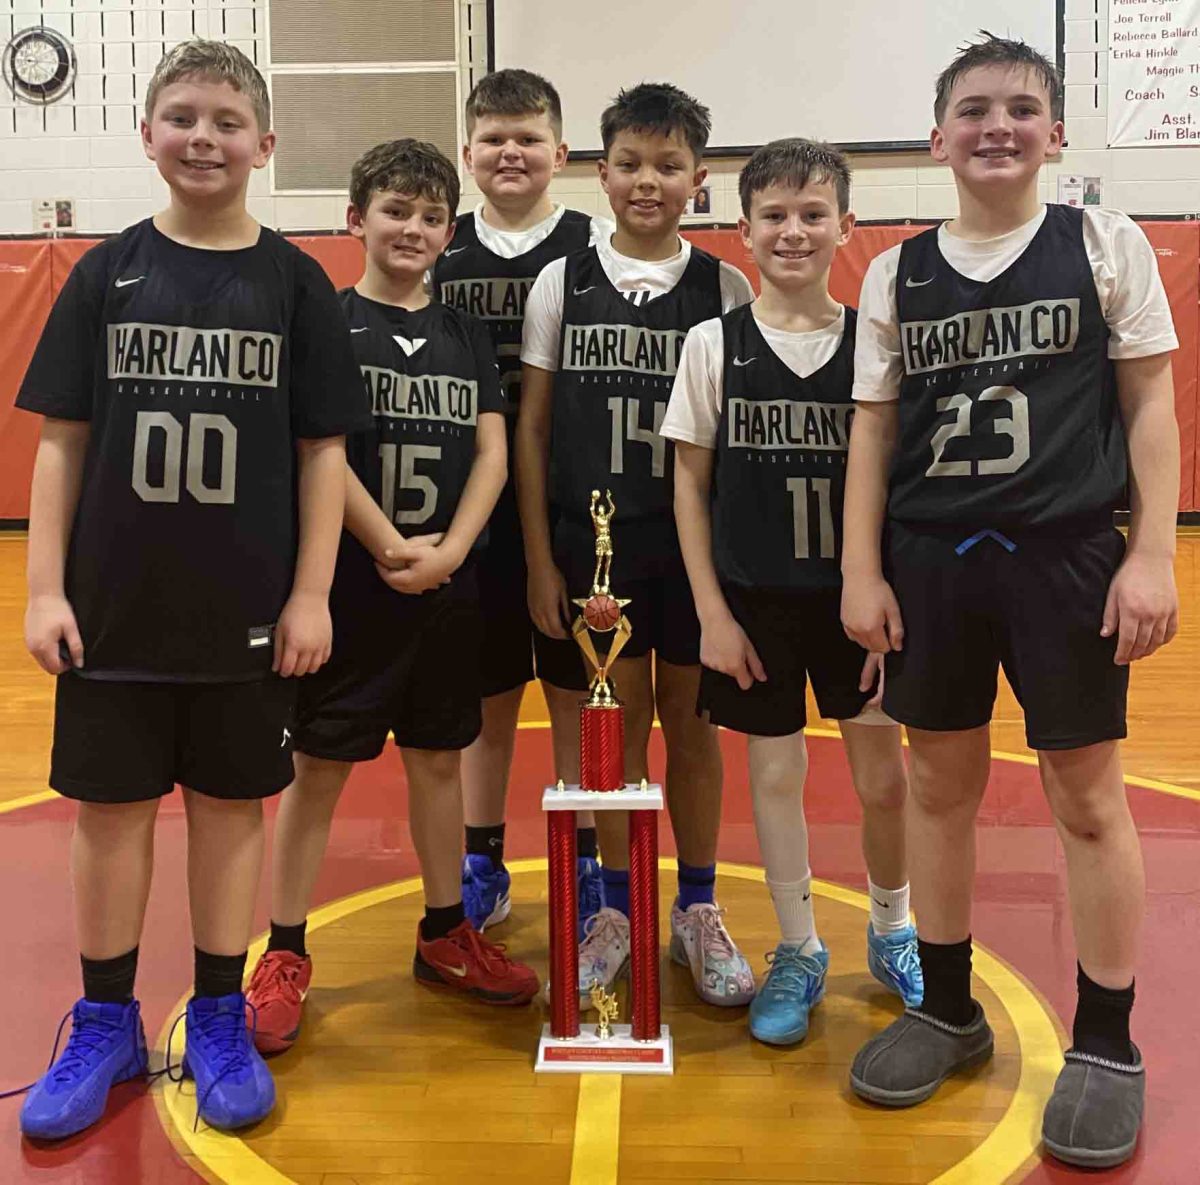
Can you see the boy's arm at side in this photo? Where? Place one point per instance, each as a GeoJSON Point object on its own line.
{"type": "Point", "coordinates": [1142, 607]}
{"type": "Point", "coordinates": [870, 612]}
{"type": "Point", "coordinates": [724, 646]}
{"type": "Point", "coordinates": [547, 590]}
{"type": "Point", "coordinates": [54, 496]}
{"type": "Point", "coordinates": [304, 636]}
{"type": "Point", "coordinates": [432, 566]}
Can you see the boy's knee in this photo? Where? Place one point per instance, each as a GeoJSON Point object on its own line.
{"type": "Point", "coordinates": [886, 790]}
{"type": "Point", "coordinates": [1088, 816]}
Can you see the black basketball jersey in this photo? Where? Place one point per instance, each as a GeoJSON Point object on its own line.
{"type": "Point", "coordinates": [1008, 404]}
{"type": "Point", "coordinates": [616, 365]}
{"type": "Point", "coordinates": [197, 370]}
{"type": "Point", "coordinates": [429, 374]}
{"type": "Point", "coordinates": [473, 279]}
{"type": "Point", "coordinates": [779, 476]}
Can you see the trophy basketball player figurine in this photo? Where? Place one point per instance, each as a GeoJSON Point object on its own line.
{"type": "Point", "coordinates": [645, 1045]}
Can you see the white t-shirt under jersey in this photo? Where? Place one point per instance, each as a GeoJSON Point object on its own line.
{"type": "Point", "coordinates": [633, 277]}
{"type": "Point", "coordinates": [694, 412]}
{"type": "Point", "coordinates": [1132, 297]}
{"type": "Point", "coordinates": [508, 244]}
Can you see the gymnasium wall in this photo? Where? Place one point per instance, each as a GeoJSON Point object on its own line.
{"type": "Point", "coordinates": [33, 271]}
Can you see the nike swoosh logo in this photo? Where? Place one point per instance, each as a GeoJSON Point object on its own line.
{"type": "Point", "coordinates": [581, 291]}
{"type": "Point", "coordinates": [911, 283]}
{"type": "Point", "coordinates": [461, 972]}
{"type": "Point", "coordinates": [881, 904]}
{"type": "Point", "coordinates": [744, 361]}
{"type": "Point", "coordinates": [361, 329]}
{"type": "Point", "coordinates": [806, 897]}
{"type": "Point", "coordinates": [453, 251]}
{"type": "Point", "coordinates": [126, 283]}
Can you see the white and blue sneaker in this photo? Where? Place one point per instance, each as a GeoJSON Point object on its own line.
{"type": "Point", "coordinates": [794, 985]}
{"type": "Point", "coordinates": [485, 891]}
{"type": "Point", "coordinates": [589, 890]}
{"type": "Point", "coordinates": [893, 960]}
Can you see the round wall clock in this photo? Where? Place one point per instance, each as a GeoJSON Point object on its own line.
{"type": "Point", "coordinates": [39, 65]}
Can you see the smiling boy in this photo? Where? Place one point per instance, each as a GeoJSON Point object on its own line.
{"type": "Point", "coordinates": [1013, 387]}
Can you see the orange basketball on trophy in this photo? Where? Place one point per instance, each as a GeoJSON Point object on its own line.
{"type": "Point", "coordinates": [601, 613]}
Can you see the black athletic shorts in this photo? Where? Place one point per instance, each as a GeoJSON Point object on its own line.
{"type": "Point", "coordinates": [128, 742]}
{"type": "Point", "coordinates": [1035, 610]}
{"type": "Point", "coordinates": [647, 569]}
{"type": "Point", "coordinates": [405, 664]}
{"type": "Point", "coordinates": [506, 657]}
{"type": "Point", "coordinates": [798, 636]}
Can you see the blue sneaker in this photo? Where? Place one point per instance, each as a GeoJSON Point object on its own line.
{"type": "Point", "coordinates": [589, 890]}
{"type": "Point", "coordinates": [107, 1045]}
{"type": "Point", "coordinates": [794, 985]}
{"type": "Point", "coordinates": [893, 960]}
{"type": "Point", "coordinates": [485, 892]}
{"type": "Point", "coordinates": [234, 1088]}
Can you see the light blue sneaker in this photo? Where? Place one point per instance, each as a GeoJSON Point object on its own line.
{"type": "Point", "coordinates": [794, 985]}
{"type": "Point", "coordinates": [589, 890]}
{"type": "Point", "coordinates": [485, 891]}
{"type": "Point", "coordinates": [106, 1046]}
{"type": "Point", "coordinates": [893, 960]}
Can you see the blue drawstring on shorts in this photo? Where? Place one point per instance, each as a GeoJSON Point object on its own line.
{"type": "Point", "coordinates": [986, 533]}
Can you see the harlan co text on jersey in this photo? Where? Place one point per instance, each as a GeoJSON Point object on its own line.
{"type": "Point", "coordinates": [497, 299]}
{"type": "Point", "coordinates": [990, 335]}
{"type": "Point", "coordinates": [241, 357]}
{"type": "Point", "coordinates": [622, 347]}
{"type": "Point", "coordinates": [789, 424]}
{"type": "Point", "coordinates": [438, 397]}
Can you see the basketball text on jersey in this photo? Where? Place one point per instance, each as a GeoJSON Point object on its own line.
{"type": "Point", "coordinates": [1041, 327]}
{"type": "Point", "coordinates": [234, 356]}
{"type": "Point", "coordinates": [438, 397]}
{"type": "Point", "coordinates": [789, 424]}
{"type": "Point", "coordinates": [622, 347]}
{"type": "Point", "coordinates": [496, 298]}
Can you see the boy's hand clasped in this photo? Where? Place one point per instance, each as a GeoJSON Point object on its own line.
{"type": "Point", "coordinates": [1142, 607]}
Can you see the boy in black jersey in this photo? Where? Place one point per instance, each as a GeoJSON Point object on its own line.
{"type": "Point", "coordinates": [603, 332]}
{"type": "Point", "coordinates": [1007, 364]}
{"type": "Point", "coordinates": [514, 147]}
{"type": "Point", "coordinates": [197, 379]}
{"type": "Point", "coordinates": [419, 488]}
{"type": "Point", "coordinates": [760, 415]}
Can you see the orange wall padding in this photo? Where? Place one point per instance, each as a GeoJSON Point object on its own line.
{"type": "Point", "coordinates": [33, 272]}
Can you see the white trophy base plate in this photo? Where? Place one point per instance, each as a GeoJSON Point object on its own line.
{"type": "Point", "coordinates": [619, 1053]}
{"type": "Point", "coordinates": [634, 797]}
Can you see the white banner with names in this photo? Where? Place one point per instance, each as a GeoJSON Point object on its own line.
{"type": "Point", "coordinates": [1153, 73]}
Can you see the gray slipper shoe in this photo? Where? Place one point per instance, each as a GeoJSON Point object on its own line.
{"type": "Point", "coordinates": [1095, 1113]}
{"type": "Point", "coordinates": [914, 1055]}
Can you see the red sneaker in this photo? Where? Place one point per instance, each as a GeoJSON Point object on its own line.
{"type": "Point", "coordinates": [464, 961]}
{"type": "Point", "coordinates": [277, 990]}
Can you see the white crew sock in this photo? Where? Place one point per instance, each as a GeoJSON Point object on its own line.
{"type": "Point", "coordinates": [889, 908]}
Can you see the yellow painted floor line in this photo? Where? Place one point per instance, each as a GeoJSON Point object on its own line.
{"type": "Point", "coordinates": [597, 1130]}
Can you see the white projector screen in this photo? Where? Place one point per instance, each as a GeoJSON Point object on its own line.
{"type": "Point", "coordinates": [859, 73]}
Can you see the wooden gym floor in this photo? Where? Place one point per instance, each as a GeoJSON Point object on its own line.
{"type": "Point", "coordinates": [393, 1084]}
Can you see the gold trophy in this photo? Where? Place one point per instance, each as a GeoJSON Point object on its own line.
{"type": "Point", "coordinates": [605, 1004]}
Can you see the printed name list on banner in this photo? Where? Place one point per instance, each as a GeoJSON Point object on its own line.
{"type": "Point", "coordinates": [1153, 73]}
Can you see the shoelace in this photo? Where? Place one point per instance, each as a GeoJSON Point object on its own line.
{"type": "Point", "coordinates": [791, 970]}
{"type": "Point", "coordinates": [713, 935]}
{"type": "Point", "coordinates": [905, 958]}
{"type": "Point", "coordinates": [227, 1029]}
{"type": "Point", "coordinates": [602, 928]}
{"type": "Point", "coordinates": [77, 1037]}
{"type": "Point", "coordinates": [276, 979]}
{"type": "Point", "coordinates": [490, 954]}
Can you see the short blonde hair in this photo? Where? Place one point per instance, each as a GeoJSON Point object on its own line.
{"type": "Point", "coordinates": [214, 61]}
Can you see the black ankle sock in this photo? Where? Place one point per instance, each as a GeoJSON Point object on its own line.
{"type": "Point", "coordinates": [487, 841]}
{"type": "Point", "coordinates": [439, 920]}
{"type": "Point", "coordinates": [109, 981]}
{"type": "Point", "coordinates": [1102, 1020]}
{"type": "Point", "coordinates": [289, 938]}
{"type": "Point", "coordinates": [219, 975]}
{"type": "Point", "coordinates": [947, 968]}
{"type": "Point", "coordinates": [586, 843]}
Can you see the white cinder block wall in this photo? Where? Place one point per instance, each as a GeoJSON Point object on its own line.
{"type": "Point", "coordinates": [89, 149]}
